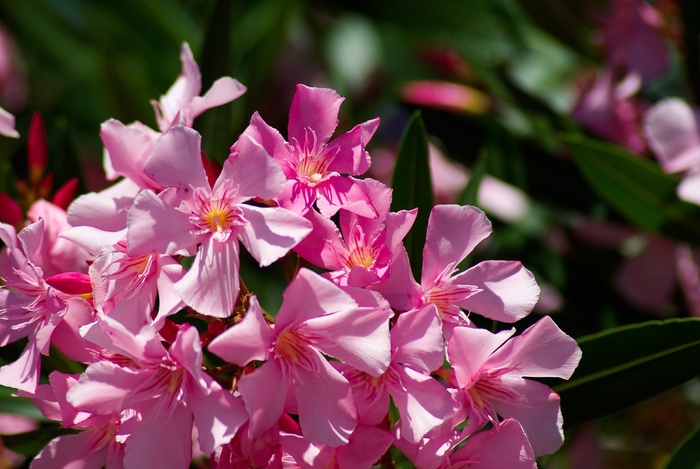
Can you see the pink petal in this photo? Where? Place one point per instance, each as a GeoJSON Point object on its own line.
{"type": "Point", "coordinates": [23, 373]}
{"type": "Point", "coordinates": [7, 124]}
{"type": "Point", "coordinates": [176, 160]}
{"type": "Point", "coordinates": [251, 339]}
{"type": "Point", "coordinates": [271, 232]}
{"type": "Point", "coordinates": [297, 197]}
{"type": "Point", "coordinates": [264, 392]}
{"type": "Point", "coordinates": [222, 91]}
{"type": "Point", "coordinates": [453, 231]}
{"type": "Point", "coordinates": [417, 340]}
{"type": "Point", "coordinates": [508, 290]}
{"type": "Point", "coordinates": [366, 446]}
{"type": "Point", "coordinates": [343, 192]}
{"type": "Point", "coordinates": [308, 296]}
{"type": "Point", "coordinates": [351, 157]}
{"type": "Point", "coordinates": [187, 351]}
{"type": "Point", "coordinates": [422, 401]}
{"type": "Point", "coordinates": [211, 285]}
{"type": "Point", "coordinates": [271, 140]}
{"type": "Point", "coordinates": [400, 289]}
{"type": "Point", "coordinates": [470, 348]}
{"type": "Point", "coordinates": [358, 336]}
{"type": "Point", "coordinates": [156, 227]}
{"type": "Point", "coordinates": [217, 415]}
{"type": "Point", "coordinates": [105, 210]}
{"type": "Point", "coordinates": [671, 127]}
{"type": "Point", "coordinates": [379, 196]}
{"type": "Point", "coordinates": [541, 418]}
{"type": "Point", "coordinates": [504, 446]}
{"type": "Point", "coordinates": [316, 109]}
{"type": "Point", "coordinates": [324, 246]}
{"type": "Point", "coordinates": [103, 387]}
{"type": "Point", "coordinates": [327, 411]}
{"type": "Point", "coordinates": [161, 441]}
{"type": "Point", "coordinates": [72, 452]}
{"type": "Point", "coordinates": [689, 188]}
{"type": "Point", "coordinates": [127, 149]}
{"type": "Point", "coordinates": [542, 350]}
{"type": "Point", "coordinates": [252, 170]}
{"type": "Point", "coordinates": [397, 226]}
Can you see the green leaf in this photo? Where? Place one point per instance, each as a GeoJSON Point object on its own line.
{"type": "Point", "coordinates": [635, 187]}
{"type": "Point", "coordinates": [687, 454]}
{"type": "Point", "coordinates": [470, 194]}
{"type": "Point", "coordinates": [623, 366]}
{"type": "Point", "coordinates": [413, 188]}
{"type": "Point", "coordinates": [10, 404]}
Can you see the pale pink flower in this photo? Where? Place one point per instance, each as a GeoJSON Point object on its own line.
{"type": "Point", "coordinates": [56, 254]}
{"type": "Point", "coordinates": [503, 446]}
{"type": "Point", "coordinates": [361, 255]}
{"type": "Point", "coordinates": [500, 290]}
{"type": "Point", "coordinates": [316, 317]}
{"type": "Point", "coordinates": [366, 445]}
{"type": "Point", "coordinates": [29, 307]}
{"type": "Point", "coordinates": [183, 96]}
{"type": "Point", "coordinates": [313, 165]}
{"type": "Point", "coordinates": [192, 215]}
{"type": "Point", "coordinates": [99, 443]}
{"type": "Point", "coordinates": [454, 97]}
{"type": "Point", "coordinates": [169, 389]}
{"type": "Point", "coordinates": [423, 403]}
{"type": "Point", "coordinates": [491, 371]}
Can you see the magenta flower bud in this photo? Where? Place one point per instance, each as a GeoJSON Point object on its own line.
{"type": "Point", "coordinates": [10, 211]}
{"type": "Point", "coordinates": [72, 283]}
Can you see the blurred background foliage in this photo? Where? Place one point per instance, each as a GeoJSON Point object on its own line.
{"type": "Point", "coordinates": [587, 207]}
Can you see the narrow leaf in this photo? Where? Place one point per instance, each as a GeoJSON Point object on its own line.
{"type": "Point", "coordinates": [635, 187]}
{"type": "Point", "coordinates": [413, 188]}
{"type": "Point", "coordinates": [626, 365]}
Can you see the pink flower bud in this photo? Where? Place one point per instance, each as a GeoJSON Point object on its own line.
{"type": "Point", "coordinates": [71, 283]}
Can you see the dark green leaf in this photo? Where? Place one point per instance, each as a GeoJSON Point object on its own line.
{"type": "Point", "coordinates": [626, 365]}
{"type": "Point", "coordinates": [687, 454]}
{"type": "Point", "coordinates": [412, 187]}
{"type": "Point", "coordinates": [635, 187]}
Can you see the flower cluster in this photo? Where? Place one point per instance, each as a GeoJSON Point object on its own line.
{"type": "Point", "coordinates": [141, 284]}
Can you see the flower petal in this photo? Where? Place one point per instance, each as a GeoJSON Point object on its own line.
{"type": "Point", "coordinates": [508, 290]}
{"type": "Point", "coordinates": [176, 160]}
{"type": "Point", "coordinates": [673, 132]}
{"type": "Point", "coordinates": [316, 109]}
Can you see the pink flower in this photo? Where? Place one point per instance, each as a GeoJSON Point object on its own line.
{"type": "Point", "coordinates": [416, 350]}
{"type": "Point", "coordinates": [500, 290]}
{"type": "Point", "coordinates": [182, 97]}
{"type": "Point", "coordinates": [312, 165]}
{"type": "Point", "coordinates": [316, 318]}
{"type": "Point", "coordinates": [365, 447]}
{"type": "Point", "coordinates": [491, 371]}
{"type": "Point", "coordinates": [167, 387]}
{"type": "Point", "coordinates": [190, 214]}
{"type": "Point", "coordinates": [29, 307]}
{"type": "Point", "coordinates": [361, 256]}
